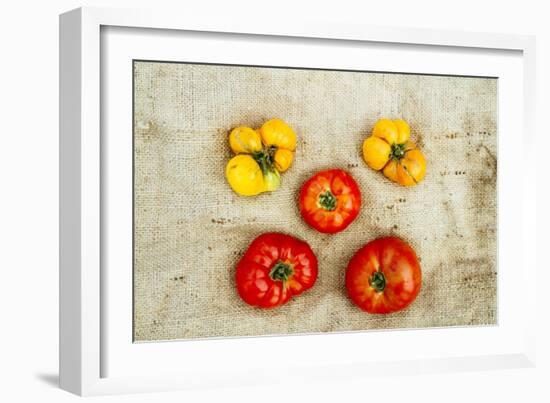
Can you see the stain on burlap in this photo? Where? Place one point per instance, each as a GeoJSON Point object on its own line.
{"type": "Point", "coordinates": [190, 228]}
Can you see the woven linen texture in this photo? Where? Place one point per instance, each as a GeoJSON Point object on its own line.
{"type": "Point", "coordinates": [190, 229]}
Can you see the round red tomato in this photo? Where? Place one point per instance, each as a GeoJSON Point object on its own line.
{"type": "Point", "coordinates": [384, 276]}
{"type": "Point", "coordinates": [274, 268]}
{"type": "Point", "coordinates": [330, 201]}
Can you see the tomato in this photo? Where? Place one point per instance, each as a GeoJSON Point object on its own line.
{"type": "Point", "coordinates": [275, 268]}
{"type": "Point", "coordinates": [389, 149]}
{"type": "Point", "coordinates": [261, 155]}
{"type": "Point", "coordinates": [330, 201]}
{"type": "Point", "coordinates": [384, 276]}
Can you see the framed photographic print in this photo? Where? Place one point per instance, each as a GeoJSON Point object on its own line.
{"type": "Point", "coordinates": [229, 193]}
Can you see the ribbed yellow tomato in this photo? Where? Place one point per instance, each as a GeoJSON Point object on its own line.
{"type": "Point", "coordinates": [389, 149]}
{"type": "Point", "coordinates": [264, 153]}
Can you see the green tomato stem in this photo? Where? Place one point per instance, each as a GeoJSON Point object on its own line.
{"type": "Point", "coordinates": [327, 201]}
{"type": "Point", "coordinates": [265, 160]}
{"type": "Point", "coordinates": [281, 271]}
{"type": "Point", "coordinates": [378, 281]}
{"type": "Point", "coordinates": [397, 151]}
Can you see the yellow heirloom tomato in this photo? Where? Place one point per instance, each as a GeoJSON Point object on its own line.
{"type": "Point", "coordinates": [261, 155]}
{"type": "Point", "coordinates": [389, 149]}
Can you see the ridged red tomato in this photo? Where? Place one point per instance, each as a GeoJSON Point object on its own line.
{"type": "Point", "coordinates": [330, 201]}
{"type": "Point", "coordinates": [275, 268]}
{"type": "Point", "coordinates": [384, 276]}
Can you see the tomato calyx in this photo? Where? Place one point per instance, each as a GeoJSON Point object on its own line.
{"type": "Point", "coordinates": [327, 200]}
{"type": "Point", "coordinates": [265, 158]}
{"type": "Point", "coordinates": [281, 271]}
{"type": "Point", "coordinates": [398, 151]}
{"type": "Point", "coordinates": [378, 281]}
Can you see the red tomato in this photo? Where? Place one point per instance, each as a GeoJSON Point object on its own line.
{"type": "Point", "coordinates": [384, 276]}
{"type": "Point", "coordinates": [274, 268]}
{"type": "Point", "coordinates": [330, 201]}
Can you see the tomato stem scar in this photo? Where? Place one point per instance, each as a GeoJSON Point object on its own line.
{"type": "Point", "coordinates": [397, 151]}
{"type": "Point", "coordinates": [281, 271]}
{"type": "Point", "coordinates": [378, 281]}
{"type": "Point", "coordinates": [327, 201]}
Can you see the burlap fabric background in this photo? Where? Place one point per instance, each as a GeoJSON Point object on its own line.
{"type": "Point", "coordinates": [190, 228]}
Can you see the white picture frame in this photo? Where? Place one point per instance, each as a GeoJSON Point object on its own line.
{"type": "Point", "coordinates": [96, 355]}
